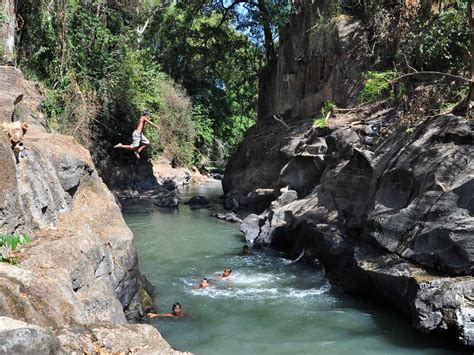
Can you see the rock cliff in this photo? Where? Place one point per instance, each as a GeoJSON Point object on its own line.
{"type": "Point", "coordinates": [386, 211]}
{"type": "Point", "coordinates": [78, 279]}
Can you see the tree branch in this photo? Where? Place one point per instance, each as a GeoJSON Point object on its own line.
{"type": "Point", "coordinates": [227, 10]}
{"type": "Point", "coordinates": [281, 121]}
{"type": "Point", "coordinates": [457, 77]}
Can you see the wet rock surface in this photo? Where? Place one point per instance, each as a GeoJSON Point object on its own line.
{"type": "Point", "coordinates": [229, 217]}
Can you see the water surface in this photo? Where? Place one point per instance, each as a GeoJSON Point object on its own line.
{"type": "Point", "coordinates": [269, 306]}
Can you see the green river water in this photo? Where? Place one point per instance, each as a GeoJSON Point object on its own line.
{"type": "Point", "coordinates": [269, 306]}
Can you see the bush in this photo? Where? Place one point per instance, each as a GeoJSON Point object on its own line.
{"type": "Point", "coordinates": [376, 85]}
{"type": "Point", "coordinates": [3, 18]}
{"type": "Point", "coordinates": [442, 43]}
{"type": "Point", "coordinates": [8, 244]}
{"type": "Point", "coordinates": [326, 110]}
{"type": "Point", "coordinates": [70, 110]}
{"type": "Point", "coordinates": [177, 133]}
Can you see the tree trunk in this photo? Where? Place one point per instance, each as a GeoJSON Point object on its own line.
{"type": "Point", "coordinates": [270, 53]}
{"type": "Point", "coordinates": [7, 29]}
{"type": "Point", "coordinates": [62, 35]}
{"type": "Point", "coordinates": [465, 107]}
{"type": "Point", "coordinates": [471, 26]}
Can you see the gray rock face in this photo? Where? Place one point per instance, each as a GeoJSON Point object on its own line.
{"type": "Point", "coordinates": [139, 339]}
{"type": "Point", "coordinates": [21, 338]}
{"type": "Point", "coordinates": [259, 199]}
{"type": "Point", "coordinates": [229, 217]}
{"type": "Point", "coordinates": [18, 337]}
{"type": "Point", "coordinates": [313, 67]}
{"type": "Point", "coordinates": [169, 201]}
{"type": "Point", "coordinates": [386, 213]}
{"type": "Point", "coordinates": [250, 226]}
{"type": "Point", "coordinates": [396, 221]}
{"type": "Point", "coordinates": [430, 218]}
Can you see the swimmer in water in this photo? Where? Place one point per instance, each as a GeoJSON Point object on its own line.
{"type": "Point", "coordinates": [176, 312]}
{"type": "Point", "coordinates": [204, 283]}
{"type": "Point", "coordinates": [246, 250]}
{"type": "Point", "coordinates": [226, 274]}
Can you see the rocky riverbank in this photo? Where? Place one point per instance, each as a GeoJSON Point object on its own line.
{"type": "Point", "coordinates": [386, 209]}
{"type": "Point", "coordinates": [78, 281]}
{"type": "Point", "coordinates": [393, 223]}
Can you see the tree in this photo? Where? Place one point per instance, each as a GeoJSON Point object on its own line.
{"type": "Point", "coordinates": [465, 107]}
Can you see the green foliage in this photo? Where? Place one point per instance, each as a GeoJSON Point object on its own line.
{"type": "Point", "coordinates": [217, 65]}
{"type": "Point", "coordinates": [177, 133]}
{"type": "Point", "coordinates": [320, 122]}
{"type": "Point", "coordinates": [441, 42]}
{"type": "Point", "coordinates": [3, 18]}
{"type": "Point", "coordinates": [456, 94]}
{"type": "Point", "coordinates": [3, 55]}
{"type": "Point", "coordinates": [376, 85]}
{"type": "Point", "coordinates": [326, 110]}
{"type": "Point", "coordinates": [98, 79]}
{"type": "Point", "coordinates": [99, 74]}
{"type": "Point", "coordinates": [203, 128]}
{"type": "Point", "coordinates": [9, 243]}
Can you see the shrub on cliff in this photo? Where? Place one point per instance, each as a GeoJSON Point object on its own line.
{"type": "Point", "coordinates": [376, 85]}
{"type": "Point", "coordinates": [8, 244]}
{"type": "Point", "coordinates": [441, 42]}
{"type": "Point", "coordinates": [326, 111]}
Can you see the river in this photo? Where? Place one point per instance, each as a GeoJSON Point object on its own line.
{"type": "Point", "coordinates": [269, 306]}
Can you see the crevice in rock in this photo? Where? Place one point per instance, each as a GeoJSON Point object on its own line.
{"type": "Point", "coordinates": [76, 286]}
{"type": "Point", "coordinates": [454, 138]}
{"type": "Point", "coordinates": [72, 191]}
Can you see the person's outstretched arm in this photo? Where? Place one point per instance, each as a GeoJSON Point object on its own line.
{"type": "Point", "coordinates": [148, 121]}
{"type": "Point", "coordinates": [153, 315]}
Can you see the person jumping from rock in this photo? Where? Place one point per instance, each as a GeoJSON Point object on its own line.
{"type": "Point", "coordinates": [139, 141]}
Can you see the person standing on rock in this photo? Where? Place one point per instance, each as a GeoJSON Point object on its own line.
{"type": "Point", "coordinates": [139, 141]}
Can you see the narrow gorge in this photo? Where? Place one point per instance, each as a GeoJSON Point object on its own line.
{"type": "Point", "coordinates": [349, 173]}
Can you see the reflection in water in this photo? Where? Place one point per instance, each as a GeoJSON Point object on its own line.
{"type": "Point", "coordinates": [269, 305]}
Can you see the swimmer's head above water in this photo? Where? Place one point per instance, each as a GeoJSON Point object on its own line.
{"type": "Point", "coordinates": [204, 283]}
{"type": "Point", "coordinates": [176, 309]}
{"type": "Point", "coordinates": [246, 250]}
{"type": "Point", "coordinates": [227, 273]}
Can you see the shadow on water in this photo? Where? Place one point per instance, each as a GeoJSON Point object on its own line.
{"type": "Point", "coordinates": [269, 306]}
{"type": "Point", "coordinates": [405, 337]}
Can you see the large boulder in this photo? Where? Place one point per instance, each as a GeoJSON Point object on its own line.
{"type": "Point", "coordinates": [18, 337]}
{"type": "Point", "coordinates": [396, 222]}
{"type": "Point", "coordinates": [423, 207]}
